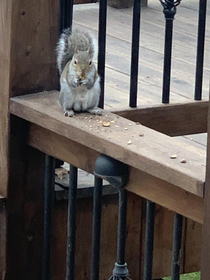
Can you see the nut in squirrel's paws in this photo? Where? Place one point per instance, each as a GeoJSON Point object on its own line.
{"type": "Point", "coordinates": [68, 113]}
{"type": "Point", "coordinates": [95, 111]}
{"type": "Point", "coordinates": [75, 82]}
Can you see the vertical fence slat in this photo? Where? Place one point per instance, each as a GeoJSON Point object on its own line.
{"type": "Point", "coordinates": [48, 199]}
{"type": "Point", "coordinates": [149, 240]}
{"type": "Point", "coordinates": [71, 227]}
{"type": "Point", "coordinates": [177, 243]}
{"type": "Point", "coordinates": [102, 47]}
{"type": "Point", "coordinates": [135, 53]}
{"type": "Point", "coordinates": [96, 233]}
{"type": "Point", "coordinates": [200, 49]}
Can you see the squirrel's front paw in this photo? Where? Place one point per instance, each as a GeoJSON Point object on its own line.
{"type": "Point", "coordinates": [75, 82]}
{"type": "Point", "coordinates": [68, 113]}
{"type": "Point", "coordinates": [95, 111]}
{"type": "Point", "coordinates": [84, 82]}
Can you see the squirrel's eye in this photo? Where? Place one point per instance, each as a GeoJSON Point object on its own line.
{"type": "Point", "coordinates": [90, 62]}
{"type": "Point", "coordinates": [75, 62]}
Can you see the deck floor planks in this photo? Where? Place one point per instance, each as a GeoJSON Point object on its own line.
{"type": "Point", "coordinates": [151, 52]}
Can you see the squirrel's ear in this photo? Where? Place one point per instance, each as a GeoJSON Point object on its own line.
{"type": "Point", "coordinates": [90, 51]}
{"type": "Point", "coordinates": [76, 50]}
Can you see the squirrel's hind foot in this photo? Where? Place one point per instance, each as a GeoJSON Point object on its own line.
{"type": "Point", "coordinates": [68, 113]}
{"type": "Point", "coordinates": [95, 111]}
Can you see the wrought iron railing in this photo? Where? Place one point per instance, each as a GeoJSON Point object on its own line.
{"type": "Point", "coordinates": [120, 269]}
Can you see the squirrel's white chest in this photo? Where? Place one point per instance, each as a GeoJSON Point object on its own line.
{"type": "Point", "coordinates": [80, 98]}
{"type": "Point", "coordinates": [80, 92]}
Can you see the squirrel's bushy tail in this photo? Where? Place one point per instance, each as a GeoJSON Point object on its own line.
{"type": "Point", "coordinates": [69, 41]}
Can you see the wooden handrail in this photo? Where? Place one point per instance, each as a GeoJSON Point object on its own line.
{"type": "Point", "coordinates": [163, 163]}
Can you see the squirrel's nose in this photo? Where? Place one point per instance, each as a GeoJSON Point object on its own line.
{"type": "Point", "coordinates": [82, 76]}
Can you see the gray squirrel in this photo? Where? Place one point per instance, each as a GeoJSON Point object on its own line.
{"type": "Point", "coordinates": [79, 80]}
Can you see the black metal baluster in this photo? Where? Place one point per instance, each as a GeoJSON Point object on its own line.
{"type": "Point", "coordinates": [149, 240]}
{"type": "Point", "coordinates": [71, 227]}
{"type": "Point", "coordinates": [48, 200]}
{"type": "Point", "coordinates": [122, 227]}
{"type": "Point", "coordinates": [177, 243]}
{"type": "Point", "coordinates": [102, 47]}
{"type": "Point", "coordinates": [96, 233]}
{"type": "Point", "coordinates": [200, 49]}
{"type": "Point", "coordinates": [169, 10]}
{"type": "Point", "coordinates": [135, 53]}
{"type": "Point", "coordinates": [120, 271]}
{"type": "Point", "coordinates": [66, 14]}
{"type": "Point", "coordinates": [62, 15]}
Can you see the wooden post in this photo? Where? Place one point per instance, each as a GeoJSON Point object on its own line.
{"type": "Point", "coordinates": [205, 256]}
{"type": "Point", "coordinates": [28, 35]}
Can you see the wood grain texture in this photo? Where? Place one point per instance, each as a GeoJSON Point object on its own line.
{"type": "Point", "coordinates": [140, 183]}
{"type": "Point", "coordinates": [108, 237]}
{"type": "Point", "coordinates": [205, 255]}
{"type": "Point", "coordinates": [28, 36]}
{"type": "Point", "coordinates": [34, 34]}
{"type": "Point", "coordinates": [171, 119]}
{"type": "Point", "coordinates": [150, 153]}
{"type": "Point", "coordinates": [192, 249]}
{"type": "Point", "coordinates": [5, 28]}
{"type": "Point", "coordinates": [24, 205]}
{"type": "Point", "coordinates": [3, 241]}
{"type": "Point", "coordinates": [163, 239]}
{"type": "Point", "coordinates": [151, 48]}
{"type": "Point", "coordinates": [165, 194]}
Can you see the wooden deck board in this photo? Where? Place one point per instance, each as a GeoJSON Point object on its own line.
{"type": "Point", "coordinates": [119, 26]}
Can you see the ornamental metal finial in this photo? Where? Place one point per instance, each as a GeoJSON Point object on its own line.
{"type": "Point", "coordinates": [120, 272]}
{"type": "Point", "coordinates": [169, 8]}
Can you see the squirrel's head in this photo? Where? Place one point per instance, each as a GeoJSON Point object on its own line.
{"type": "Point", "coordinates": [82, 63]}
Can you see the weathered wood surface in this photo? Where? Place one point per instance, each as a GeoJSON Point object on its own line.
{"type": "Point", "coordinates": [141, 183]}
{"type": "Point", "coordinates": [118, 53]}
{"type": "Point", "coordinates": [5, 25]}
{"type": "Point", "coordinates": [135, 239]}
{"type": "Point", "coordinates": [108, 237]}
{"type": "Point", "coordinates": [205, 257]}
{"type": "Point", "coordinates": [171, 119]}
{"type": "Point", "coordinates": [24, 205]}
{"type": "Point", "coordinates": [3, 241]}
{"type": "Point", "coordinates": [28, 35]}
{"type": "Point", "coordinates": [150, 153]}
{"type": "Point", "coordinates": [24, 72]}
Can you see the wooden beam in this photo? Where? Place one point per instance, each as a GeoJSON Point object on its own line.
{"type": "Point", "coordinates": [3, 241]}
{"type": "Point", "coordinates": [140, 183]}
{"type": "Point", "coordinates": [135, 145]}
{"type": "Point", "coordinates": [166, 194]}
{"type": "Point", "coordinates": [205, 255]}
{"type": "Point", "coordinates": [28, 36]}
{"type": "Point", "coordinates": [29, 32]}
{"type": "Point", "coordinates": [5, 46]}
{"type": "Point", "coordinates": [24, 206]}
{"type": "Point", "coordinates": [171, 119]}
